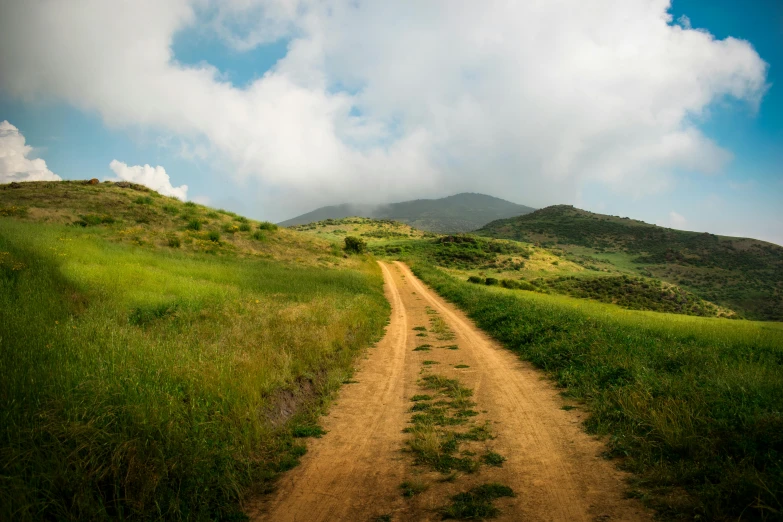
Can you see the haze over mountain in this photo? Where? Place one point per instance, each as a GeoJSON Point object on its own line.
{"type": "Point", "coordinates": [740, 273]}
{"type": "Point", "coordinates": [457, 213]}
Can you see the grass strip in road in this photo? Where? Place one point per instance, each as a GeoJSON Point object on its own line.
{"type": "Point", "coordinates": [476, 504]}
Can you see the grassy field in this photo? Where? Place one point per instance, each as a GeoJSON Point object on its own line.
{"type": "Point", "coordinates": [691, 405]}
{"type": "Point", "coordinates": [141, 379]}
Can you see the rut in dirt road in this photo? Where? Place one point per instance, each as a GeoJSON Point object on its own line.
{"type": "Point", "coordinates": [355, 471]}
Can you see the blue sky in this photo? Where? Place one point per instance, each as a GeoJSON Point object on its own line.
{"type": "Point", "coordinates": [378, 104]}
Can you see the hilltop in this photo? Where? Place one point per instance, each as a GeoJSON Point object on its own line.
{"type": "Point", "coordinates": [745, 275]}
{"type": "Point", "coordinates": [459, 213]}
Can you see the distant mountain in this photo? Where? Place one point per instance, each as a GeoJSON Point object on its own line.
{"type": "Point", "coordinates": [458, 213]}
{"type": "Point", "coordinates": [743, 274]}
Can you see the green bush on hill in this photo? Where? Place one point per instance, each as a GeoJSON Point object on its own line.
{"type": "Point", "coordinates": [354, 245]}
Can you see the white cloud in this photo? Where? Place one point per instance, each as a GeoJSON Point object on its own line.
{"type": "Point", "coordinates": [152, 177]}
{"type": "Point", "coordinates": [528, 100]}
{"type": "Point", "coordinates": [15, 163]}
{"type": "Point", "coordinates": [676, 220]}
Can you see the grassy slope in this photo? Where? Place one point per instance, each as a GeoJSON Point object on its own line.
{"type": "Point", "coordinates": [517, 265]}
{"type": "Point", "coordinates": [458, 213]}
{"type": "Point", "coordinates": [691, 405]}
{"type": "Point", "coordinates": [139, 380]}
{"type": "Point", "coordinates": [372, 231]}
{"type": "Point", "coordinates": [744, 275]}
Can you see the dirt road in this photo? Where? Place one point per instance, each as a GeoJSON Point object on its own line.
{"type": "Point", "coordinates": [354, 472]}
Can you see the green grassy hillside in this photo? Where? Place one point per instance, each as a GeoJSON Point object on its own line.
{"type": "Point", "coordinates": [516, 265]}
{"type": "Point", "coordinates": [692, 406]}
{"type": "Point", "coordinates": [744, 275]}
{"type": "Point", "coordinates": [372, 231]}
{"type": "Point", "coordinates": [158, 358]}
{"type": "Point", "coordinates": [458, 213]}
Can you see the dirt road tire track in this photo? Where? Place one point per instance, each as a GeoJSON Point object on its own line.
{"type": "Point", "coordinates": [354, 471]}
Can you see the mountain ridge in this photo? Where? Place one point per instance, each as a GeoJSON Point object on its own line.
{"type": "Point", "coordinates": [461, 212]}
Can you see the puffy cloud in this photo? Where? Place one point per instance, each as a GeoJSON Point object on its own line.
{"type": "Point", "coordinates": [152, 177]}
{"type": "Point", "coordinates": [15, 165]}
{"type": "Point", "coordinates": [382, 100]}
{"type": "Point", "coordinates": [676, 220]}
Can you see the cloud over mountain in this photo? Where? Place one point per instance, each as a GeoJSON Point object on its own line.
{"type": "Point", "coordinates": [401, 97]}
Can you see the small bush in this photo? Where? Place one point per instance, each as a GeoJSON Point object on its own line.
{"type": "Point", "coordinates": [230, 228]}
{"type": "Point", "coordinates": [214, 236]}
{"type": "Point", "coordinates": [491, 281]}
{"type": "Point", "coordinates": [170, 209]}
{"type": "Point", "coordinates": [476, 503]}
{"type": "Point", "coordinates": [194, 224]}
{"type": "Point", "coordinates": [174, 242]}
{"type": "Point", "coordinates": [476, 280]}
{"type": "Point", "coordinates": [354, 245]}
{"type": "Point", "coordinates": [213, 215]}
{"type": "Point", "coordinates": [412, 487]}
{"type": "Point", "coordinates": [244, 227]}
{"type": "Point", "coordinates": [143, 200]}
{"type": "Point", "coordinates": [190, 204]}
{"type": "Point", "coordinates": [90, 220]}
{"type": "Point", "coordinates": [259, 236]}
{"type": "Point", "coordinates": [266, 225]}
{"type": "Point", "coordinates": [308, 431]}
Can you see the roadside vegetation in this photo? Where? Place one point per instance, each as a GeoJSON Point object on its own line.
{"type": "Point", "coordinates": [151, 368]}
{"type": "Point", "coordinates": [691, 405]}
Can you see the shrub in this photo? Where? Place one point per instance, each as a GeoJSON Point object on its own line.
{"type": "Point", "coordinates": [190, 204]}
{"type": "Point", "coordinates": [355, 245]}
{"type": "Point", "coordinates": [259, 236]}
{"type": "Point", "coordinates": [174, 242]}
{"type": "Point", "coordinates": [491, 281]}
{"type": "Point", "coordinates": [476, 280]}
{"type": "Point", "coordinates": [89, 220]}
{"type": "Point", "coordinates": [143, 200]}
{"type": "Point", "coordinates": [509, 283]}
{"type": "Point", "coordinates": [266, 225]}
{"type": "Point", "coordinates": [170, 209]}
{"type": "Point", "coordinates": [214, 235]}
{"type": "Point", "coordinates": [194, 224]}
{"type": "Point", "coordinates": [244, 227]}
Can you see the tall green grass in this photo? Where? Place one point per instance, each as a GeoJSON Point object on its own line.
{"type": "Point", "coordinates": [144, 384]}
{"type": "Point", "coordinates": [693, 406]}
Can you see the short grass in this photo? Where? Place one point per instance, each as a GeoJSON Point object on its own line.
{"type": "Point", "coordinates": [476, 503]}
{"type": "Point", "coordinates": [692, 405]}
{"type": "Point", "coordinates": [139, 381]}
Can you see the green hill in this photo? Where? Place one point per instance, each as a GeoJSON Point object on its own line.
{"type": "Point", "coordinates": [745, 275]}
{"type": "Point", "coordinates": [458, 213]}
{"type": "Point", "coordinates": [159, 358]}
